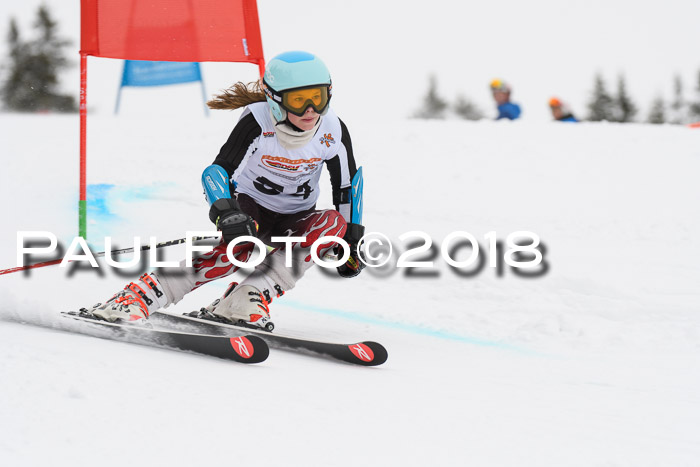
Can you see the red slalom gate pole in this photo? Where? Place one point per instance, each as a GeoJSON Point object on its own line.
{"type": "Point", "coordinates": [30, 266]}
{"type": "Point", "coordinates": [82, 203]}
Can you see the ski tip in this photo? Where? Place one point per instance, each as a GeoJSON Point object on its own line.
{"type": "Point", "coordinates": [249, 349]}
{"type": "Point", "coordinates": [369, 353]}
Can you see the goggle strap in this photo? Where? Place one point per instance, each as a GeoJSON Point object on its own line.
{"type": "Point", "coordinates": [271, 93]}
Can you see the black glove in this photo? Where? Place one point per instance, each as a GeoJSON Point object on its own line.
{"type": "Point", "coordinates": [226, 214]}
{"type": "Point", "coordinates": [353, 266]}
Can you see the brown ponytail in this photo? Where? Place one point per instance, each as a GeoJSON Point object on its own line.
{"type": "Point", "coordinates": [237, 96]}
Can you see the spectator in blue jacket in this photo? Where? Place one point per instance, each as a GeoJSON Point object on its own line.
{"type": "Point", "coordinates": [501, 94]}
{"type": "Point", "coordinates": [561, 111]}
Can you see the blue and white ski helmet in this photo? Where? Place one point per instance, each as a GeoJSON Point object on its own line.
{"type": "Point", "coordinates": [293, 70]}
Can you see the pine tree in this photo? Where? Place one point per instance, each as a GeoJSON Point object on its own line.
{"type": "Point", "coordinates": [13, 91]}
{"type": "Point", "coordinates": [32, 80]}
{"type": "Point", "coordinates": [694, 108]}
{"type": "Point", "coordinates": [466, 109]}
{"type": "Point", "coordinates": [657, 114]}
{"type": "Point", "coordinates": [434, 106]}
{"type": "Point", "coordinates": [624, 106]}
{"type": "Point", "coordinates": [678, 104]}
{"type": "Point", "coordinates": [601, 107]}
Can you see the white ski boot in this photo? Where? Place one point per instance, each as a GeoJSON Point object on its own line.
{"type": "Point", "coordinates": [133, 303]}
{"type": "Point", "coordinates": [242, 305]}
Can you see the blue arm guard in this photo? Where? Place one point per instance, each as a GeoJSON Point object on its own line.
{"type": "Point", "coordinates": [356, 194]}
{"type": "Point", "coordinates": [215, 183]}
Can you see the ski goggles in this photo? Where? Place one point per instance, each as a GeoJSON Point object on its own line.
{"type": "Point", "coordinates": [298, 100]}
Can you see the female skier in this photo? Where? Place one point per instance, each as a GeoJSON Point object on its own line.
{"type": "Point", "coordinates": [264, 182]}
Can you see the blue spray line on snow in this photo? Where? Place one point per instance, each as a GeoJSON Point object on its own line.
{"type": "Point", "coordinates": [101, 195]}
{"type": "Point", "coordinates": [100, 217]}
{"type": "Point", "coordinates": [414, 329]}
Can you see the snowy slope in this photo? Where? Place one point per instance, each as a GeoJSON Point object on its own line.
{"type": "Point", "coordinates": [594, 363]}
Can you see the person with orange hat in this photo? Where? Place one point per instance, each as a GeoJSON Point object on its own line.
{"type": "Point", "coordinates": [501, 94]}
{"type": "Point", "coordinates": [561, 111]}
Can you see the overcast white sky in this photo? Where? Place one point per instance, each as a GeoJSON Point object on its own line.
{"type": "Point", "coordinates": [381, 53]}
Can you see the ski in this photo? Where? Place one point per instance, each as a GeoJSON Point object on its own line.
{"type": "Point", "coordinates": [245, 348]}
{"type": "Point", "coordinates": [365, 353]}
